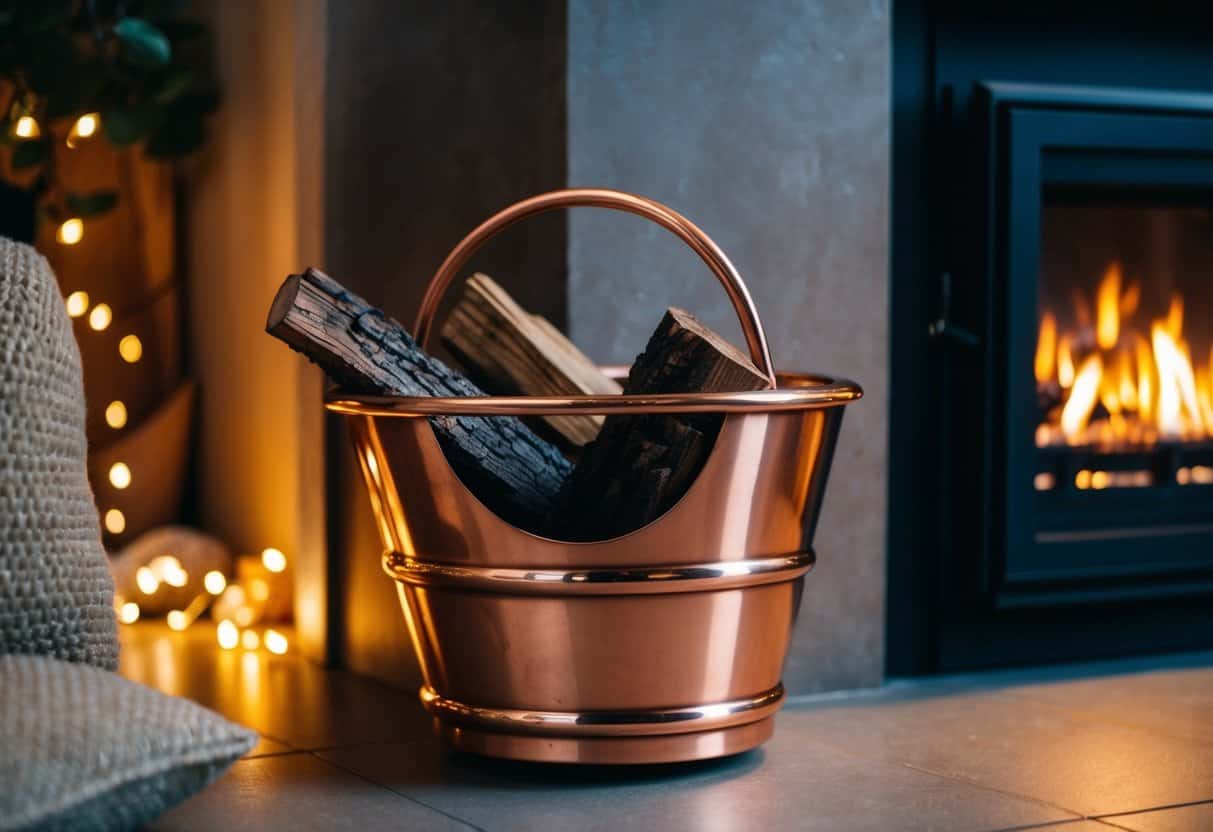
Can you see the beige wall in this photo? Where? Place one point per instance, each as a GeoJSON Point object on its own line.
{"type": "Point", "coordinates": [253, 216]}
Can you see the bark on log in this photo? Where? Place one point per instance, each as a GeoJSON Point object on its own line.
{"type": "Point", "coordinates": [516, 473]}
{"type": "Point", "coordinates": [639, 466]}
{"type": "Point", "coordinates": [508, 351]}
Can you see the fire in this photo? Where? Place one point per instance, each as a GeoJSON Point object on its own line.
{"type": "Point", "coordinates": [1105, 382]}
{"type": "Point", "coordinates": [1107, 302]}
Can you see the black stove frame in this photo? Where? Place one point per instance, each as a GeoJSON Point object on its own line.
{"type": "Point", "coordinates": [981, 573]}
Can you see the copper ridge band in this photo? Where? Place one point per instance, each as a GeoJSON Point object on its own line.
{"type": "Point", "coordinates": [634, 723]}
{"type": "Point", "coordinates": [828, 393]}
{"type": "Point", "coordinates": [651, 580]}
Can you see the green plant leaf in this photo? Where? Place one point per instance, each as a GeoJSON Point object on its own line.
{"type": "Point", "coordinates": [174, 84]}
{"type": "Point", "coordinates": [142, 43]}
{"type": "Point", "coordinates": [28, 154]}
{"type": "Point", "coordinates": [181, 133]}
{"type": "Point", "coordinates": [91, 204]}
{"type": "Point", "coordinates": [127, 126]}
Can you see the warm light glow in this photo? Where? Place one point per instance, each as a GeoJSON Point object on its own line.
{"type": "Point", "coordinates": [234, 595]}
{"type": "Point", "coordinates": [214, 582]}
{"type": "Point", "coordinates": [100, 317]}
{"type": "Point", "coordinates": [1065, 363]}
{"type": "Point", "coordinates": [1130, 300]}
{"type": "Point", "coordinates": [1177, 402]}
{"type": "Point", "coordinates": [1175, 318]}
{"type": "Point", "coordinates": [115, 521]}
{"type": "Point", "coordinates": [1083, 397]}
{"type": "Point", "coordinates": [275, 642]}
{"type": "Point", "coordinates": [1107, 304]}
{"type": "Point", "coordinates": [273, 560]}
{"type": "Point", "coordinates": [130, 348]}
{"type": "Point", "coordinates": [1136, 385]}
{"type": "Point", "coordinates": [227, 634]}
{"type": "Point", "coordinates": [71, 231]}
{"type": "Point", "coordinates": [176, 577]}
{"type": "Point", "coordinates": [146, 580]}
{"type": "Point", "coordinates": [168, 569]}
{"type": "Point", "coordinates": [77, 304]}
{"type": "Point", "coordinates": [1046, 349]}
{"type": "Point", "coordinates": [1044, 481]}
{"type": "Point", "coordinates": [249, 640]}
{"type": "Point", "coordinates": [176, 620]}
{"type": "Point", "coordinates": [129, 613]}
{"type": "Point", "coordinates": [244, 616]}
{"type": "Point", "coordinates": [258, 589]}
{"type": "Point", "coordinates": [86, 125]}
{"type": "Point", "coordinates": [115, 415]}
{"type": "Point", "coordinates": [27, 128]}
{"type": "Point", "coordinates": [120, 475]}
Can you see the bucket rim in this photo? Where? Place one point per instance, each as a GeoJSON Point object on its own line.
{"type": "Point", "coordinates": [795, 391]}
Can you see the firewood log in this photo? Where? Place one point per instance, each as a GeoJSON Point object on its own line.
{"type": "Point", "coordinates": [508, 351]}
{"type": "Point", "coordinates": [514, 472]}
{"type": "Point", "coordinates": [640, 465]}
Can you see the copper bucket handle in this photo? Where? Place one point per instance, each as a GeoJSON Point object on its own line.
{"type": "Point", "coordinates": [664, 216]}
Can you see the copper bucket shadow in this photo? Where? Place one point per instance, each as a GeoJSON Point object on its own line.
{"type": "Point", "coordinates": [663, 645]}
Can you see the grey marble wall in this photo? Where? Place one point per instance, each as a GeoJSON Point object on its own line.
{"type": "Point", "coordinates": [768, 124]}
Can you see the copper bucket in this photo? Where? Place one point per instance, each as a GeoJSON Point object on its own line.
{"type": "Point", "coordinates": [665, 644]}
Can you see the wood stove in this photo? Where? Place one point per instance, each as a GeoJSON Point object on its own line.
{"type": "Point", "coordinates": [1056, 500]}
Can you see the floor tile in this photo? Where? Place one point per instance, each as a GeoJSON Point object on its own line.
{"type": "Point", "coordinates": [1020, 746]}
{"type": "Point", "coordinates": [300, 793]}
{"type": "Point", "coordinates": [1178, 819]}
{"type": "Point", "coordinates": [1175, 702]}
{"type": "Point", "coordinates": [792, 783]}
{"type": "Point", "coordinates": [285, 697]}
{"type": "Point", "coordinates": [266, 747]}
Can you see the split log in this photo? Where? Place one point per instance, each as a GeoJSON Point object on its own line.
{"type": "Point", "coordinates": [508, 351]}
{"type": "Point", "coordinates": [516, 473]}
{"type": "Point", "coordinates": [640, 465]}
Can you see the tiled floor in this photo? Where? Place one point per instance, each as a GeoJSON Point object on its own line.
{"type": "Point", "coordinates": [1125, 745]}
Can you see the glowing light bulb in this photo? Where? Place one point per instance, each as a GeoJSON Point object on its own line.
{"type": "Point", "coordinates": [120, 475]}
{"type": "Point", "coordinates": [146, 580]}
{"type": "Point", "coordinates": [77, 304]}
{"type": "Point", "coordinates": [130, 348]}
{"type": "Point", "coordinates": [258, 589]}
{"type": "Point", "coordinates": [275, 642]}
{"type": "Point", "coordinates": [129, 613]}
{"type": "Point", "coordinates": [177, 577]}
{"type": "Point", "coordinates": [214, 582]}
{"type": "Point", "coordinates": [86, 125]}
{"type": "Point", "coordinates": [245, 616]}
{"type": "Point", "coordinates": [100, 317]}
{"type": "Point", "coordinates": [233, 596]}
{"type": "Point", "coordinates": [115, 414]}
{"type": "Point", "coordinates": [273, 560]}
{"type": "Point", "coordinates": [115, 521]}
{"type": "Point", "coordinates": [27, 128]}
{"type": "Point", "coordinates": [227, 634]}
{"type": "Point", "coordinates": [177, 620]}
{"type": "Point", "coordinates": [249, 640]}
{"type": "Point", "coordinates": [70, 232]}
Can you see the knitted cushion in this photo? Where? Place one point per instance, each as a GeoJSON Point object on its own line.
{"type": "Point", "coordinates": [85, 749]}
{"type": "Point", "coordinates": [56, 596]}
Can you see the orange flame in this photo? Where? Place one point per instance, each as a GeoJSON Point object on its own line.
{"type": "Point", "coordinates": [1083, 396]}
{"type": "Point", "coordinates": [1127, 388]}
{"type": "Point", "coordinates": [1046, 349]}
{"type": "Point", "coordinates": [1107, 304]}
{"type": "Point", "coordinates": [1065, 363]}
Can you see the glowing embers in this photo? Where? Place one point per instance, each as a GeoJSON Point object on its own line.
{"type": "Point", "coordinates": [1118, 379]}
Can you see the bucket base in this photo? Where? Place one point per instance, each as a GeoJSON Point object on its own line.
{"type": "Point", "coordinates": [661, 748]}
